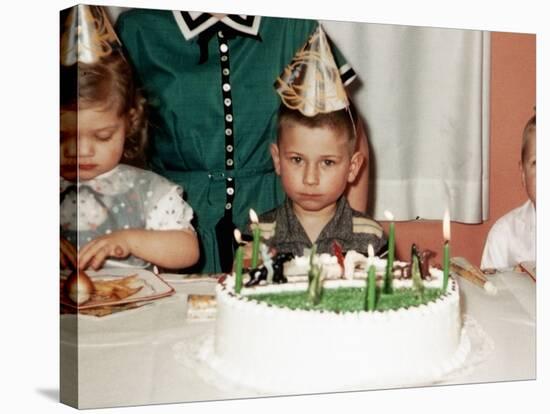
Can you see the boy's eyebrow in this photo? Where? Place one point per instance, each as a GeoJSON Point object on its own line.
{"type": "Point", "coordinates": [332, 155]}
{"type": "Point", "coordinates": [292, 152]}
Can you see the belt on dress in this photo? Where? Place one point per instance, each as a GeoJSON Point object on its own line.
{"type": "Point", "coordinates": [225, 226]}
{"type": "Point", "coordinates": [218, 175]}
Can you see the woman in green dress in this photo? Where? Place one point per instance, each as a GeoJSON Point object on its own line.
{"type": "Point", "coordinates": [209, 84]}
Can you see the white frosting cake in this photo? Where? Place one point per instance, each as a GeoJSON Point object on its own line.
{"type": "Point", "coordinates": [278, 350]}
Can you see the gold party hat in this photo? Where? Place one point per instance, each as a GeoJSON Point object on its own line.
{"type": "Point", "coordinates": [311, 83]}
{"type": "Point", "coordinates": [87, 36]}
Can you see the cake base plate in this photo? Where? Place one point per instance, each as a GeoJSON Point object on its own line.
{"type": "Point", "coordinates": [197, 354]}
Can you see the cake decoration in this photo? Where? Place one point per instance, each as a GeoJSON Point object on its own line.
{"type": "Point", "coordinates": [446, 247]}
{"type": "Point", "coordinates": [315, 279]}
{"type": "Point", "coordinates": [256, 237]}
{"type": "Point", "coordinates": [415, 270]}
{"type": "Point", "coordinates": [338, 253]}
{"type": "Point", "coordinates": [391, 253]}
{"type": "Point", "coordinates": [278, 266]}
{"type": "Point", "coordinates": [371, 284]}
{"type": "Point", "coordinates": [238, 261]}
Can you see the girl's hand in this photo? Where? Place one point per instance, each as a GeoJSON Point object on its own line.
{"type": "Point", "coordinates": [94, 254]}
{"type": "Point", "coordinates": [67, 254]}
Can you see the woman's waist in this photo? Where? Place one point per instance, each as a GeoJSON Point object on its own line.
{"type": "Point", "coordinates": [216, 174]}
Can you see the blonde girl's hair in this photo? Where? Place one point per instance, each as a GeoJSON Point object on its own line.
{"type": "Point", "coordinates": [109, 82]}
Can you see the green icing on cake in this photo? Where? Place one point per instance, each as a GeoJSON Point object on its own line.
{"type": "Point", "coordinates": [349, 299]}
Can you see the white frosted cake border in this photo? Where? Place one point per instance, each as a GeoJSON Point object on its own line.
{"type": "Point", "coordinates": [197, 354]}
{"type": "Point", "coordinates": [239, 315]}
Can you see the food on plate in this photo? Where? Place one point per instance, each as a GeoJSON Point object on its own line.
{"type": "Point", "coordinates": [117, 288]}
{"type": "Point", "coordinates": [79, 287]}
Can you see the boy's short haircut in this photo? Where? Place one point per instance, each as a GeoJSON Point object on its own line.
{"type": "Point", "coordinates": [342, 120]}
{"type": "Point", "coordinates": [529, 127]}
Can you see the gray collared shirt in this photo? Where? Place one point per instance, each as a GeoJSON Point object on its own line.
{"type": "Point", "coordinates": [353, 230]}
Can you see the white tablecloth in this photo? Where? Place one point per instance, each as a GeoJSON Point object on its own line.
{"type": "Point", "coordinates": [128, 358]}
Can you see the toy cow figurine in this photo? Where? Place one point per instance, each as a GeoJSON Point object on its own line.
{"type": "Point", "coordinates": [264, 272]}
{"type": "Point", "coordinates": [256, 276]}
{"type": "Point", "coordinates": [273, 270]}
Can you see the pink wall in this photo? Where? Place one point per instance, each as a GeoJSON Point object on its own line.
{"type": "Point", "coordinates": [513, 95]}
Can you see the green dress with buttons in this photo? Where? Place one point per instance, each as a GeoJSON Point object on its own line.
{"type": "Point", "coordinates": [210, 124]}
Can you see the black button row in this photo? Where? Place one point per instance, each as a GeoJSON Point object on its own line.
{"type": "Point", "coordinates": [228, 118]}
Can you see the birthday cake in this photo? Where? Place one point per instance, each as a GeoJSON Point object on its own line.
{"type": "Point", "coordinates": [267, 337]}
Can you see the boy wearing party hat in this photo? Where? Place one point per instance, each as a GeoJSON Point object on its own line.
{"type": "Point", "coordinates": [315, 156]}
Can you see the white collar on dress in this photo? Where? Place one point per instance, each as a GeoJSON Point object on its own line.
{"type": "Point", "coordinates": [192, 24]}
{"type": "Point", "coordinates": [106, 183]}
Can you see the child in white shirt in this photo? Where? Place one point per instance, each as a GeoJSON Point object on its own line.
{"type": "Point", "coordinates": [512, 238]}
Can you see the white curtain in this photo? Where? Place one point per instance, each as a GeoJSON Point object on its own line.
{"type": "Point", "coordinates": [423, 94]}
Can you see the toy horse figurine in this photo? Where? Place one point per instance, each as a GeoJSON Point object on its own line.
{"type": "Point", "coordinates": [416, 273]}
{"type": "Point", "coordinates": [278, 267]}
{"type": "Point", "coordinates": [425, 257]}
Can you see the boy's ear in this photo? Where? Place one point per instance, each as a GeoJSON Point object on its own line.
{"type": "Point", "coordinates": [522, 172]}
{"type": "Point", "coordinates": [355, 166]}
{"type": "Point", "coordinates": [274, 149]}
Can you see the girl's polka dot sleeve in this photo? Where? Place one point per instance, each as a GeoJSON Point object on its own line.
{"type": "Point", "coordinates": [170, 212]}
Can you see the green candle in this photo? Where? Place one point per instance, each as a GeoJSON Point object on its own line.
{"type": "Point", "coordinates": [255, 238]}
{"type": "Point", "coordinates": [416, 274]}
{"type": "Point", "coordinates": [388, 281]}
{"type": "Point", "coordinates": [312, 255]}
{"type": "Point", "coordinates": [370, 291]}
{"type": "Point", "coordinates": [445, 265]}
{"type": "Point", "coordinates": [314, 286]}
{"type": "Point", "coordinates": [446, 248]}
{"type": "Point", "coordinates": [371, 288]}
{"type": "Point", "coordinates": [238, 263]}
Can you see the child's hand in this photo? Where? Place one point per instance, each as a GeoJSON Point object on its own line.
{"type": "Point", "coordinates": [67, 254]}
{"type": "Point", "coordinates": [97, 251]}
